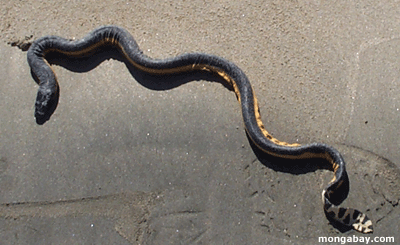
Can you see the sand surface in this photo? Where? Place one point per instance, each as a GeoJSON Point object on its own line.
{"type": "Point", "coordinates": [129, 159]}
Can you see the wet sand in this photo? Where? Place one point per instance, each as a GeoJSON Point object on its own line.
{"type": "Point", "coordinates": [128, 158]}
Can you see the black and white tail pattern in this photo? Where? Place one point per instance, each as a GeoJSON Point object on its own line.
{"type": "Point", "coordinates": [348, 216]}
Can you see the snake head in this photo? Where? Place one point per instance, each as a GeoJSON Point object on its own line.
{"type": "Point", "coordinates": [46, 103]}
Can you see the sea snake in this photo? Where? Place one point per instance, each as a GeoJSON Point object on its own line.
{"type": "Point", "coordinates": [118, 37]}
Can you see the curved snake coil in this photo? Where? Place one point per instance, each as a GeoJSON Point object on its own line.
{"type": "Point", "coordinates": [120, 38]}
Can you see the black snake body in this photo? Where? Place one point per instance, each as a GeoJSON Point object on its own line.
{"type": "Point", "coordinates": [120, 38]}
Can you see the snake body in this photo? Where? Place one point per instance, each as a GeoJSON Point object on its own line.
{"type": "Point", "coordinates": [232, 74]}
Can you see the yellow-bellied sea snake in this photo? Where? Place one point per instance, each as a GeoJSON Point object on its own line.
{"type": "Point", "coordinates": [120, 38]}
